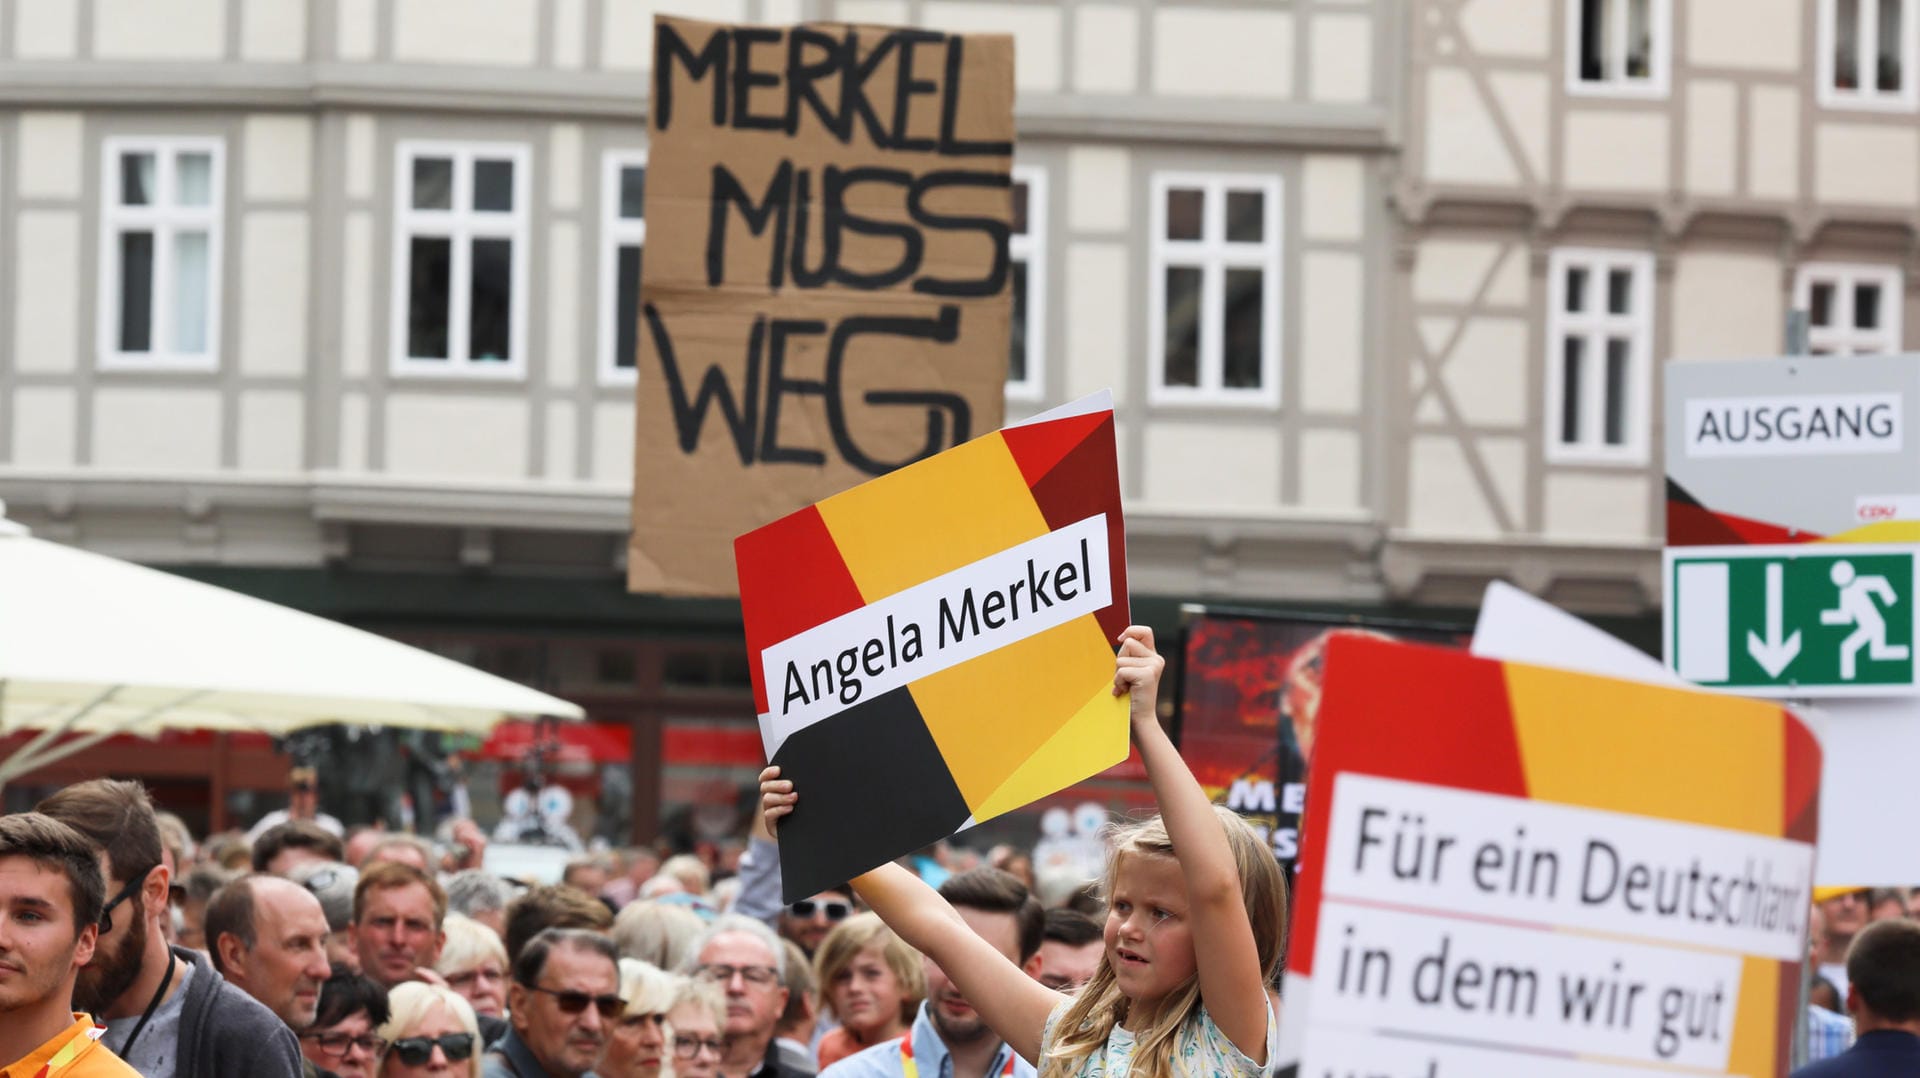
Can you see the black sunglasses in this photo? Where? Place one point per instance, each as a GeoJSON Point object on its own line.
{"type": "Point", "coordinates": [610, 1007]}
{"type": "Point", "coordinates": [132, 888]}
{"type": "Point", "coordinates": [835, 911]}
{"type": "Point", "coordinates": [415, 1051]}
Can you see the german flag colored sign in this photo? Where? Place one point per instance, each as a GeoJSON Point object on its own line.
{"type": "Point", "coordinates": [1516, 872]}
{"type": "Point", "coordinates": [934, 647]}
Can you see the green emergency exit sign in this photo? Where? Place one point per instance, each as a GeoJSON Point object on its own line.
{"type": "Point", "coordinates": [1808, 620]}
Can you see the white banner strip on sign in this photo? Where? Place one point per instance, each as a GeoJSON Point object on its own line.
{"type": "Point", "coordinates": [1338, 1053]}
{"type": "Point", "coordinates": [1792, 426]}
{"type": "Point", "coordinates": [1408, 973]}
{"type": "Point", "coordinates": [1700, 605]}
{"type": "Point", "coordinates": [1487, 855]}
{"type": "Point", "coordinates": [958, 616]}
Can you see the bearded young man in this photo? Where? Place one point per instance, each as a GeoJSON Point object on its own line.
{"type": "Point", "coordinates": [168, 1011]}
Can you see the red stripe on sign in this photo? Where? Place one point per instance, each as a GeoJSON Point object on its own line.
{"type": "Point", "coordinates": [791, 578]}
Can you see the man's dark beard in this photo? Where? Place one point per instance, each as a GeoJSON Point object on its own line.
{"type": "Point", "coordinates": [105, 979]}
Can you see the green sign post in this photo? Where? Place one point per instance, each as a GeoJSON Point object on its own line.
{"type": "Point", "coordinates": [1804, 620]}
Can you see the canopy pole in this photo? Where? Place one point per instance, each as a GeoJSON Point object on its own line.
{"type": "Point", "coordinates": [11, 769]}
{"type": "Point", "coordinates": [22, 762]}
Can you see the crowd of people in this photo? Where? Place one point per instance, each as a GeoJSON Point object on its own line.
{"type": "Point", "coordinates": [126, 947]}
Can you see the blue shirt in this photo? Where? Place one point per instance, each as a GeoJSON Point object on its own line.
{"type": "Point", "coordinates": [930, 1057]}
{"type": "Point", "coordinates": [1828, 1034]}
{"type": "Point", "coordinates": [1883, 1053]}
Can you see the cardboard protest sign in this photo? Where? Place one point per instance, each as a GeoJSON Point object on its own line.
{"type": "Point", "coordinates": [825, 294]}
{"type": "Point", "coordinates": [1249, 703]}
{"type": "Point", "coordinates": [935, 647]}
{"type": "Point", "coordinates": [1516, 871]}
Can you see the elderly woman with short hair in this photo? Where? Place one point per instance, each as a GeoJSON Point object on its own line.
{"type": "Point", "coordinates": [431, 1031]}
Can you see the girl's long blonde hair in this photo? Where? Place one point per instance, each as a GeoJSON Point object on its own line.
{"type": "Point", "coordinates": [1100, 1005]}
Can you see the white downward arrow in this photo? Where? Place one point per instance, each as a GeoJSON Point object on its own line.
{"type": "Point", "coordinates": [1773, 654]}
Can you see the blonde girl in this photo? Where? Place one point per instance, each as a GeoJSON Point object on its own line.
{"type": "Point", "coordinates": [1196, 908]}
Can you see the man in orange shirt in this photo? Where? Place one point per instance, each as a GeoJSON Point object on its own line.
{"type": "Point", "coordinates": [51, 893]}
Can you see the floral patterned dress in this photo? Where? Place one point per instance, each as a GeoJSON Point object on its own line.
{"type": "Point", "coordinates": [1200, 1050]}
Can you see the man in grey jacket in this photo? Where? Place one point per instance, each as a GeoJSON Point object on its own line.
{"type": "Point", "coordinates": [169, 1014]}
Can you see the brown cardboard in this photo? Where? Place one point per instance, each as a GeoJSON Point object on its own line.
{"type": "Point", "coordinates": [919, 170]}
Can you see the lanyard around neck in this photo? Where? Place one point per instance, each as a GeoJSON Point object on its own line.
{"type": "Point", "coordinates": [160, 993]}
{"type": "Point", "coordinates": [912, 1070]}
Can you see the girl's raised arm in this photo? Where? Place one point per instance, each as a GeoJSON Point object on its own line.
{"type": "Point", "coordinates": [1231, 983]}
{"type": "Point", "coordinates": [1014, 1004]}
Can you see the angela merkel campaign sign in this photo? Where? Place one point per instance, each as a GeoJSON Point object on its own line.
{"type": "Point", "coordinates": [935, 647]}
{"type": "Point", "coordinates": [1516, 872]}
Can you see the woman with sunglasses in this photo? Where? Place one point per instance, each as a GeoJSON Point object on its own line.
{"type": "Point", "coordinates": [641, 1042]}
{"type": "Point", "coordinates": [432, 1031]}
{"type": "Point", "coordinates": [698, 1015]}
{"type": "Point", "coordinates": [872, 982]}
{"type": "Point", "coordinates": [341, 1039]}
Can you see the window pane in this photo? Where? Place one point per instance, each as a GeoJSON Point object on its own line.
{"type": "Point", "coordinates": [1888, 68]}
{"type": "Point", "coordinates": [1820, 298]}
{"type": "Point", "coordinates": [1619, 291]}
{"type": "Point", "coordinates": [1020, 195]}
{"type": "Point", "coordinates": [193, 183]}
{"type": "Point", "coordinates": [1576, 289]}
{"type": "Point", "coordinates": [1593, 40]}
{"type": "Point", "coordinates": [626, 308]}
{"type": "Point", "coordinates": [1246, 216]}
{"type": "Point", "coordinates": [1572, 360]}
{"type": "Point", "coordinates": [1183, 327]}
{"type": "Point", "coordinates": [1639, 40]}
{"type": "Point", "coordinates": [432, 185]}
{"type": "Point", "coordinates": [633, 192]}
{"type": "Point", "coordinates": [1245, 318]}
{"type": "Point", "coordinates": [1185, 206]}
{"type": "Point", "coordinates": [1017, 357]}
{"type": "Point", "coordinates": [1846, 44]}
{"type": "Point", "coordinates": [1617, 353]}
{"type": "Point", "coordinates": [493, 186]}
{"type": "Point", "coordinates": [490, 312]}
{"type": "Point", "coordinates": [429, 285]}
{"type": "Point", "coordinates": [136, 179]}
{"type": "Point", "coordinates": [190, 283]}
{"type": "Point", "coordinates": [1866, 306]}
{"type": "Point", "coordinates": [136, 291]}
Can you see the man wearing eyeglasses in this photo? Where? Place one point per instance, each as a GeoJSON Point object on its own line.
{"type": "Point", "coordinates": [168, 1011]}
{"type": "Point", "coordinates": [563, 1002]}
{"type": "Point", "coordinates": [743, 958]}
{"type": "Point", "coordinates": [808, 921]}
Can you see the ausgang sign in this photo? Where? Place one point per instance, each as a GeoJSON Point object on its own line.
{"type": "Point", "coordinates": [1793, 450]}
{"type": "Point", "coordinates": [1793, 519]}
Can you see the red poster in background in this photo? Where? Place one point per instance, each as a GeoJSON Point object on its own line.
{"type": "Point", "coordinates": [1241, 672]}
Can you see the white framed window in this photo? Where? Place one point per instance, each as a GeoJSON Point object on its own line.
{"type": "Point", "coordinates": [460, 259]}
{"type": "Point", "coordinates": [1599, 355]}
{"type": "Point", "coordinates": [623, 236]}
{"type": "Point", "coordinates": [160, 245]}
{"type": "Point", "coordinates": [1027, 246]}
{"type": "Point", "coordinates": [1866, 52]}
{"type": "Point", "coordinates": [1213, 312]}
{"type": "Point", "coordinates": [1852, 310]}
{"type": "Point", "coordinates": [1618, 48]}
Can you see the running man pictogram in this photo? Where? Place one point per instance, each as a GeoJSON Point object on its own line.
{"type": "Point", "coordinates": [1857, 608]}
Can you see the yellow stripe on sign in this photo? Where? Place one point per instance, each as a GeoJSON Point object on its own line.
{"type": "Point", "coordinates": [964, 504]}
{"type": "Point", "coordinates": [991, 715]}
{"type": "Point", "coordinates": [1094, 739]}
{"type": "Point", "coordinates": [1885, 531]}
{"type": "Point", "coordinates": [1756, 1019]}
{"type": "Point", "coordinates": [1614, 745]}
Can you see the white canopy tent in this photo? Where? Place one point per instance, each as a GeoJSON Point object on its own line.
{"type": "Point", "coordinates": [93, 646]}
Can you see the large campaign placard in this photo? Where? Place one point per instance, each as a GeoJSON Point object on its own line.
{"type": "Point", "coordinates": [1511, 870]}
{"type": "Point", "coordinates": [825, 292]}
{"type": "Point", "coordinates": [935, 647]}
